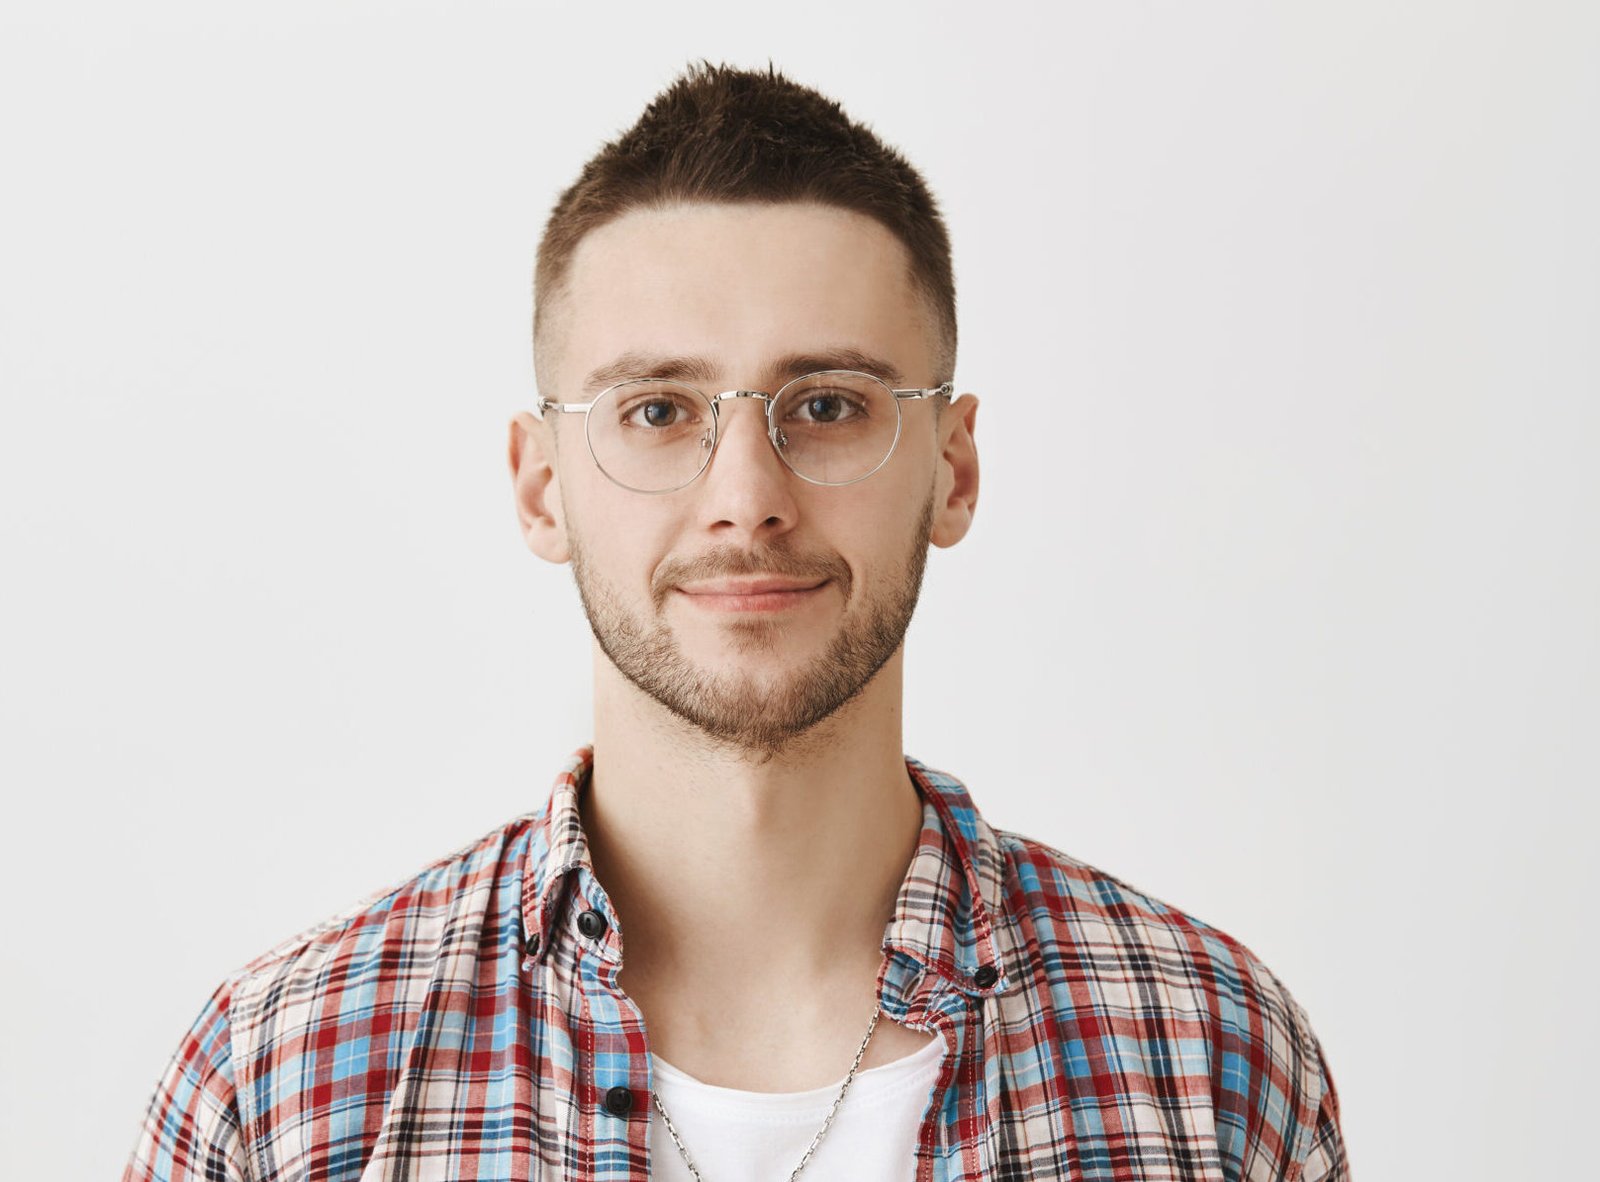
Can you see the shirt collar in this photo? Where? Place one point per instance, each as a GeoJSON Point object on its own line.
{"type": "Point", "coordinates": [557, 849]}
{"type": "Point", "coordinates": [950, 917]}
{"type": "Point", "coordinates": [945, 912]}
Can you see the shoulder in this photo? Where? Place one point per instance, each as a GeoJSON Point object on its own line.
{"type": "Point", "coordinates": [359, 978]}
{"type": "Point", "coordinates": [1090, 935]}
{"type": "Point", "coordinates": [397, 932]}
{"type": "Point", "coordinates": [1063, 901]}
{"type": "Point", "coordinates": [1175, 996]}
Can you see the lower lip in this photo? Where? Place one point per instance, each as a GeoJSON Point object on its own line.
{"type": "Point", "coordinates": [765, 601]}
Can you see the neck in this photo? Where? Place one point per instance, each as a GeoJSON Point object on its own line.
{"type": "Point", "coordinates": [751, 876]}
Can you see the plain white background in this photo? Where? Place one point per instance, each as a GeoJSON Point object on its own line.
{"type": "Point", "coordinates": [1279, 604]}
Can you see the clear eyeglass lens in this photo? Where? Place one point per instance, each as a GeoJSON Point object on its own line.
{"type": "Point", "coordinates": [655, 436]}
{"type": "Point", "coordinates": [836, 427]}
{"type": "Point", "coordinates": [650, 435]}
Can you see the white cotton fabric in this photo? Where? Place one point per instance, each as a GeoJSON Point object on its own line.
{"type": "Point", "coordinates": [736, 1136]}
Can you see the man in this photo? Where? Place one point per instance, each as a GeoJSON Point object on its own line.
{"type": "Point", "coordinates": [748, 937]}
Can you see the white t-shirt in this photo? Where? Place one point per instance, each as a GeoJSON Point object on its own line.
{"type": "Point", "coordinates": [736, 1136]}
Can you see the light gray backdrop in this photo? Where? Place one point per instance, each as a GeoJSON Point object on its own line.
{"type": "Point", "coordinates": [1280, 601]}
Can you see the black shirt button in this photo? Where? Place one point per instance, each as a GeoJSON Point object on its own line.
{"type": "Point", "coordinates": [619, 1101]}
{"type": "Point", "coordinates": [592, 924]}
{"type": "Point", "coordinates": [530, 946]}
{"type": "Point", "coordinates": [986, 976]}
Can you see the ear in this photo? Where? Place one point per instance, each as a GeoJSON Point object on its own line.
{"type": "Point", "coordinates": [537, 487]}
{"type": "Point", "coordinates": [956, 478]}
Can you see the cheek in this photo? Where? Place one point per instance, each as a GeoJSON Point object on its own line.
{"type": "Point", "coordinates": [872, 539]}
{"type": "Point", "coordinates": [898, 505]}
{"type": "Point", "coordinates": [623, 540]}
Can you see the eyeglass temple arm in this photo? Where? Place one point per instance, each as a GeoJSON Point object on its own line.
{"type": "Point", "coordinates": [542, 404]}
{"type": "Point", "coordinates": [947, 389]}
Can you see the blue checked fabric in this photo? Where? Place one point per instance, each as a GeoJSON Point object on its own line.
{"type": "Point", "coordinates": [463, 1026]}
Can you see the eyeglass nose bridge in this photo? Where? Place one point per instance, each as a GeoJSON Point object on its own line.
{"type": "Point", "coordinates": [774, 433]}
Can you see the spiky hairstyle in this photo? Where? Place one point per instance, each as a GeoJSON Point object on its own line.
{"type": "Point", "coordinates": [720, 134]}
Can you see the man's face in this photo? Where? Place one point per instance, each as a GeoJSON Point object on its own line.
{"type": "Point", "coordinates": [751, 296]}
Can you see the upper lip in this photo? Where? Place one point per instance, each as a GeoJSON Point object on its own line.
{"type": "Point", "coordinates": [752, 585]}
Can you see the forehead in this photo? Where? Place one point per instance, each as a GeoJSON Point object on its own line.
{"type": "Point", "coordinates": [740, 285]}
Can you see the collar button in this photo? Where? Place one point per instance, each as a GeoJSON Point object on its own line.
{"type": "Point", "coordinates": [592, 924]}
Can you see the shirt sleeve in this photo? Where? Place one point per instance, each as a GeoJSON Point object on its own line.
{"type": "Point", "coordinates": [191, 1130]}
{"type": "Point", "coordinates": [1324, 1159]}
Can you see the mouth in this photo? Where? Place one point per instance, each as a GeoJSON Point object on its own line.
{"type": "Point", "coordinates": [752, 594]}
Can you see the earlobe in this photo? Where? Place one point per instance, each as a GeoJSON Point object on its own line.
{"type": "Point", "coordinates": [956, 480]}
{"type": "Point", "coordinates": [536, 487]}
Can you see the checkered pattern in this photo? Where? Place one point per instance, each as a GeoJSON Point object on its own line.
{"type": "Point", "coordinates": [462, 1026]}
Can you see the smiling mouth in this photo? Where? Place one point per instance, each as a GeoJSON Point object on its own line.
{"type": "Point", "coordinates": [751, 595]}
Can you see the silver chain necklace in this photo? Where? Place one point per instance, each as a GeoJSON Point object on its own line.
{"type": "Point", "coordinates": [815, 1141]}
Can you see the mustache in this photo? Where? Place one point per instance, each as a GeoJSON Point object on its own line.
{"type": "Point", "coordinates": [781, 560]}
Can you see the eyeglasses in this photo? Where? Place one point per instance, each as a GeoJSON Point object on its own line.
{"type": "Point", "coordinates": [651, 435]}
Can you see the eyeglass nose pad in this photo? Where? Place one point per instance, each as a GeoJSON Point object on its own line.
{"type": "Point", "coordinates": [779, 439]}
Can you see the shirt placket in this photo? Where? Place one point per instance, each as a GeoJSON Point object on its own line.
{"type": "Point", "coordinates": [952, 1142]}
{"type": "Point", "coordinates": [612, 1091]}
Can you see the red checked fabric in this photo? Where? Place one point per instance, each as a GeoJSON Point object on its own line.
{"type": "Point", "coordinates": [467, 1026]}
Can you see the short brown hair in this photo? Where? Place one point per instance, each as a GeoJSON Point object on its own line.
{"type": "Point", "coordinates": [719, 134]}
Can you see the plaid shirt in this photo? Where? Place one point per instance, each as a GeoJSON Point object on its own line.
{"type": "Point", "coordinates": [468, 1025]}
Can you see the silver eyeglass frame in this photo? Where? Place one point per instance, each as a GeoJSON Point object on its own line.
{"type": "Point", "coordinates": [543, 404]}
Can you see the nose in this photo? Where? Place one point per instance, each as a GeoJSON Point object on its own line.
{"type": "Point", "coordinates": [746, 490]}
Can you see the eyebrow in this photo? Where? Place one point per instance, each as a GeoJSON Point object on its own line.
{"type": "Point", "coordinates": [702, 370]}
{"type": "Point", "coordinates": [648, 365]}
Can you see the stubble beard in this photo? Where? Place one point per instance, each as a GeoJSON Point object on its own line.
{"type": "Point", "coordinates": [761, 717]}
